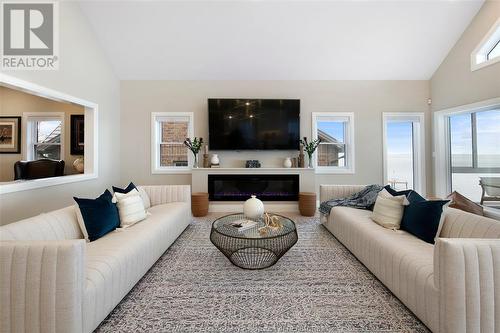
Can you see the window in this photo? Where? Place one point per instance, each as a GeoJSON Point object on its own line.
{"type": "Point", "coordinates": [404, 156]}
{"type": "Point", "coordinates": [169, 130]}
{"type": "Point", "coordinates": [474, 139]}
{"type": "Point", "coordinates": [335, 153]}
{"type": "Point", "coordinates": [44, 136]}
{"type": "Point", "coordinates": [488, 50]}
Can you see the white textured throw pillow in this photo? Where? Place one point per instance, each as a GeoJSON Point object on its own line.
{"type": "Point", "coordinates": [388, 210]}
{"type": "Point", "coordinates": [145, 197]}
{"type": "Point", "coordinates": [130, 208]}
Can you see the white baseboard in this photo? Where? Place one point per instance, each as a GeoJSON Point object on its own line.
{"type": "Point", "coordinates": [234, 207]}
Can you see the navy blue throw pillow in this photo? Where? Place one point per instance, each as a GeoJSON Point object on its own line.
{"type": "Point", "coordinates": [99, 215]}
{"type": "Point", "coordinates": [127, 189]}
{"type": "Point", "coordinates": [421, 217]}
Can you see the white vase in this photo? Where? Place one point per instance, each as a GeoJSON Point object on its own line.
{"type": "Point", "coordinates": [215, 159]}
{"type": "Point", "coordinates": [287, 163]}
{"type": "Point", "coordinates": [253, 208]}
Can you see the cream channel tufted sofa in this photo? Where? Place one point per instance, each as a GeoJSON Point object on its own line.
{"type": "Point", "coordinates": [51, 280]}
{"type": "Point", "coordinates": [452, 286]}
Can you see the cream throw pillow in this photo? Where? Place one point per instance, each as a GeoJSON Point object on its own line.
{"type": "Point", "coordinates": [145, 197]}
{"type": "Point", "coordinates": [130, 208]}
{"type": "Point", "coordinates": [388, 210]}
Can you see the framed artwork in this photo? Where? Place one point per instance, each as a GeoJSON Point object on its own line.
{"type": "Point", "coordinates": [77, 134]}
{"type": "Point", "coordinates": [10, 135]}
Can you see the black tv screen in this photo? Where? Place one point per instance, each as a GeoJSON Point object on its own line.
{"type": "Point", "coordinates": [253, 124]}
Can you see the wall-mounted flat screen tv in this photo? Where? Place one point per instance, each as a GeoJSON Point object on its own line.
{"type": "Point", "coordinates": [253, 124]}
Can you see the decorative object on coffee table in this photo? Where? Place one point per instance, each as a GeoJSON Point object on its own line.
{"type": "Point", "coordinates": [195, 147]}
{"type": "Point", "coordinates": [253, 208]}
{"type": "Point", "coordinates": [249, 249]}
{"type": "Point", "coordinates": [199, 204]}
{"type": "Point", "coordinates": [307, 203]}
{"type": "Point", "coordinates": [310, 148]}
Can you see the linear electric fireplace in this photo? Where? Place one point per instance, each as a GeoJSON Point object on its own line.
{"type": "Point", "coordinates": [265, 187]}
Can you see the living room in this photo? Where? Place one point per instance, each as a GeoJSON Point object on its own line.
{"type": "Point", "coordinates": [368, 132]}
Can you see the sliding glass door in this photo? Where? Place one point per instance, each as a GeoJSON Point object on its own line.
{"type": "Point", "coordinates": [474, 147]}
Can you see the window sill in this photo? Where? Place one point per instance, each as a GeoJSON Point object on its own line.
{"type": "Point", "coordinates": [23, 185]}
{"type": "Point", "coordinates": [476, 66]}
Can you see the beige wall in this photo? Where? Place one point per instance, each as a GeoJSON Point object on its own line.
{"type": "Point", "coordinates": [454, 83]}
{"type": "Point", "coordinates": [84, 72]}
{"type": "Point", "coordinates": [367, 99]}
{"type": "Point", "coordinates": [15, 103]}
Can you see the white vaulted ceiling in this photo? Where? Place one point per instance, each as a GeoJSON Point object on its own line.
{"type": "Point", "coordinates": [278, 40]}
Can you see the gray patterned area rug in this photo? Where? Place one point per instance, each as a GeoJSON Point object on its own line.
{"type": "Point", "coordinates": [318, 286]}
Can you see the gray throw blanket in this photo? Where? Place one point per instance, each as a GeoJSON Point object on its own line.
{"type": "Point", "coordinates": [363, 199]}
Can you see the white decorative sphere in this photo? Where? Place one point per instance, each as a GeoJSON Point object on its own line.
{"type": "Point", "coordinates": [253, 208]}
{"type": "Point", "coordinates": [79, 165]}
{"type": "Point", "coordinates": [287, 163]}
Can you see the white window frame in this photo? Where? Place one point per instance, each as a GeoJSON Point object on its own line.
{"type": "Point", "coordinates": [441, 141]}
{"type": "Point", "coordinates": [418, 120]}
{"type": "Point", "coordinates": [349, 141]}
{"type": "Point", "coordinates": [479, 57]}
{"type": "Point", "coordinates": [91, 137]}
{"type": "Point", "coordinates": [156, 117]}
{"type": "Point", "coordinates": [30, 131]}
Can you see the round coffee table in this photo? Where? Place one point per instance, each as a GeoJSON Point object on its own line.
{"type": "Point", "coordinates": [251, 249]}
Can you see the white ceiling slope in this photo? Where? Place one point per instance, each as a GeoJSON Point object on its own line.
{"type": "Point", "coordinates": [278, 40]}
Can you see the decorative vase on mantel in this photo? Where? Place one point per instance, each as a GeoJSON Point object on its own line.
{"type": "Point", "coordinates": [310, 161]}
{"type": "Point", "coordinates": [253, 208]}
{"type": "Point", "coordinates": [195, 160]}
{"type": "Point", "coordinates": [287, 163]}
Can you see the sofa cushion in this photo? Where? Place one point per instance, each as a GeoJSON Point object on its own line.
{"type": "Point", "coordinates": [117, 261]}
{"type": "Point", "coordinates": [142, 193]}
{"type": "Point", "coordinates": [423, 218]}
{"type": "Point", "coordinates": [388, 210]}
{"type": "Point", "coordinates": [130, 208]}
{"type": "Point", "coordinates": [99, 215]}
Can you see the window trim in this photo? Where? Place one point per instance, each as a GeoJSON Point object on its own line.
{"type": "Point", "coordinates": [349, 167]}
{"type": "Point", "coordinates": [441, 141]}
{"type": "Point", "coordinates": [27, 119]}
{"type": "Point", "coordinates": [479, 57]}
{"type": "Point", "coordinates": [155, 143]}
{"type": "Point", "coordinates": [91, 136]}
{"type": "Point", "coordinates": [419, 160]}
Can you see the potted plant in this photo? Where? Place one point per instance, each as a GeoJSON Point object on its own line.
{"type": "Point", "coordinates": [310, 148]}
{"type": "Point", "coordinates": [195, 147]}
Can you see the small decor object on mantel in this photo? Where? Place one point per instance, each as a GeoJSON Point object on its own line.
{"type": "Point", "coordinates": [287, 163]}
{"type": "Point", "coordinates": [206, 158]}
{"type": "Point", "coordinates": [300, 159]}
{"type": "Point", "coordinates": [195, 147]}
{"type": "Point", "coordinates": [310, 148]}
{"type": "Point", "coordinates": [252, 164]}
{"type": "Point", "coordinates": [215, 163]}
{"type": "Point", "coordinates": [253, 208]}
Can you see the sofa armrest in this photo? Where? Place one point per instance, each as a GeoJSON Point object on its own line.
{"type": "Point", "coordinates": [161, 194]}
{"type": "Point", "coordinates": [41, 286]}
{"type": "Point", "coordinates": [467, 274]}
{"type": "Point", "coordinates": [328, 192]}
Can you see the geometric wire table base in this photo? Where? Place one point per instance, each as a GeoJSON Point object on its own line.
{"type": "Point", "coordinates": [249, 249]}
